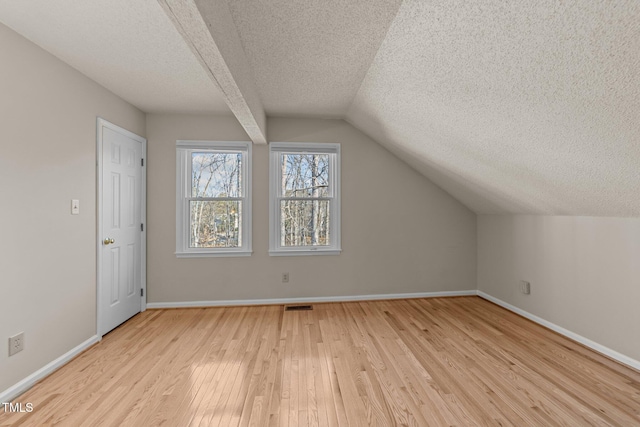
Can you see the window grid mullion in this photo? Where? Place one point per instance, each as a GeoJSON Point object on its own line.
{"type": "Point", "coordinates": [304, 198]}
{"type": "Point", "coordinates": [215, 199]}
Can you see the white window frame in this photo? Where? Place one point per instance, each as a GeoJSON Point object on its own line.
{"type": "Point", "coordinates": [275, 196]}
{"type": "Point", "coordinates": [183, 196]}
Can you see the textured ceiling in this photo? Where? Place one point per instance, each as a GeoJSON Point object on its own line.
{"type": "Point", "coordinates": [513, 107]}
{"type": "Point", "coordinates": [128, 46]}
{"type": "Point", "coordinates": [208, 29]}
{"type": "Point", "coordinates": [309, 57]}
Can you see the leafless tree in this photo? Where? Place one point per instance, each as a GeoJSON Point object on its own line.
{"type": "Point", "coordinates": [215, 221]}
{"type": "Point", "coordinates": [305, 215]}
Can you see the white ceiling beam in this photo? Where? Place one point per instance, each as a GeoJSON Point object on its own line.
{"type": "Point", "coordinates": [208, 29]}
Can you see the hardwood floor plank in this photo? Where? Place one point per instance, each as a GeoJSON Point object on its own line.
{"type": "Point", "coordinates": [560, 377]}
{"type": "Point", "coordinates": [420, 362]}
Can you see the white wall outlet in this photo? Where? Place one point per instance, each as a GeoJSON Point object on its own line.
{"type": "Point", "coordinates": [75, 207]}
{"type": "Point", "coordinates": [285, 277]}
{"type": "Point", "coordinates": [16, 344]}
{"type": "Point", "coordinates": [525, 287]}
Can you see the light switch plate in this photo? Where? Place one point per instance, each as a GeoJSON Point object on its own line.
{"type": "Point", "coordinates": [75, 207]}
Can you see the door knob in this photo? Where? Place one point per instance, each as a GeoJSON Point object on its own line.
{"type": "Point", "coordinates": [108, 241]}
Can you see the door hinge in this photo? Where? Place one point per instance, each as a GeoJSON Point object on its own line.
{"type": "Point", "coordinates": [141, 292]}
{"type": "Point", "coordinates": [141, 227]}
{"type": "Point", "coordinates": [141, 162]}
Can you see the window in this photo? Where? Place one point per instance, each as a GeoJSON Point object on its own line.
{"type": "Point", "coordinates": [304, 181]}
{"type": "Point", "coordinates": [213, 206]}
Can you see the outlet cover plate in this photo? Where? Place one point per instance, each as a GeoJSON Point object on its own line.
{"type": "Point", "coordinates": [16, 343]}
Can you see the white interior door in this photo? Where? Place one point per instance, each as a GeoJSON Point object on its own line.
{"type": "Point", "coordinates": [120, 234]}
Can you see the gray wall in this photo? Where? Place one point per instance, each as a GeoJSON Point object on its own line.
{"type": "Point", "coordinates": [47, 157]}
{"type": "Point", "coordinates": [584, 272]}
{"type": "Point", "coordinates": [432, 247]}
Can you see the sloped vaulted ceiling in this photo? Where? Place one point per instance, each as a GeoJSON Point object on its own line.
{"type": "Point", "coordinates": [128, 46]}
{"type": "Point", "coordinates": [510, 106]}
{"type": "Point", "coordinates": [513, 107]}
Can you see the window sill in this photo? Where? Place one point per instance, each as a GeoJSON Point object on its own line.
{"type": "Point", "coordinates": [304, 252]}
{"type": "Point", "coordinates": [212, 254]}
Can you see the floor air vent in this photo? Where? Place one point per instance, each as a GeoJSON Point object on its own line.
{"type": "Point", "coordinates": [297, 307]}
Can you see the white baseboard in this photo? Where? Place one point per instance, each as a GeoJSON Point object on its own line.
{"type": "Point", "coordinates": [16, 390]}
{"type": "Point", "coordinates": [272, 301]}
{"type": "Point", "coordinates": [619, 357]}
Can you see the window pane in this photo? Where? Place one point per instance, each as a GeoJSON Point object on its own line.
{"type": "Point", "coordinates": [305, 175]}
{"type": "Point", "coordinates": [215, 224]}
{"type": "Point", "coordinates": [216, 174]}
{"type": "Point", "coordinates": [304, 222]}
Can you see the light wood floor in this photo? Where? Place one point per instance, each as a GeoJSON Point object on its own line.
{"type": "Point", "coordinates": [422, 362]}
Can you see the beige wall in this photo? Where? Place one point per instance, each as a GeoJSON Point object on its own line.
{"type": "Point", "coordinates": [47, 157]}
{"type": "Point", "coordinates": [433, 247]}
{"type": "Point", "coordinates": [584, 272]}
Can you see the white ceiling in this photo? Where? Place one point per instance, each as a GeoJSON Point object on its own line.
{"type": "Point", "coordinates": [309, 57]}
{"type": "Point", "coordinates": [128, 46]}
{"type": "Point", "coordinates": [512, 107]}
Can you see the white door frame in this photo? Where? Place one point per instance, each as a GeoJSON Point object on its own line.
{"type": "Point", "coordinates": [102, 123]}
